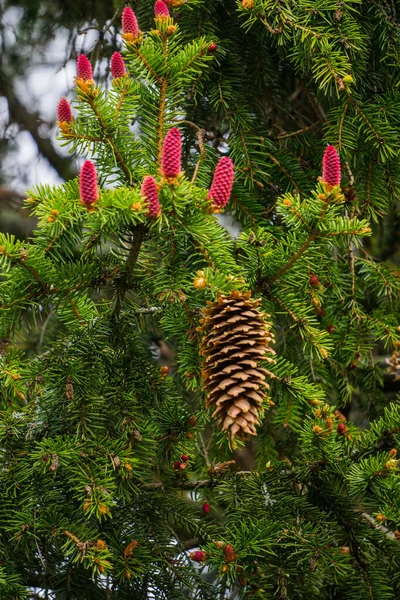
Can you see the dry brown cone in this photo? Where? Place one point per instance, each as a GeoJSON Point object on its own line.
{"type": "Point", "coordinates": [236, 338]}
{"type": "Point", "coordinates": [394, 365]}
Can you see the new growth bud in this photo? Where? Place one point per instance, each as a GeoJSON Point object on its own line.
{"type": "Point", "coordinates": [331, 167]}
{"type": "Point", "coordinates": [198, 556]}
{"type": "Point", "coordinates": [129, 22]}
{"type": "Point", "coordinates": [150, 193]}
{"type": "Point", "coordinates": [84, 68]}
{"type": "Point", "coordinates": [117, 66]}
{"type": "Point", "coordinates": [161, 10]}
{"type": "Point", "coordinates": [64, 112]}
{"type": "Point", "coordinates": [88, 187]}
{"type": "Point", "coordinates": [222, 183]}
{"type": "Point", "coordinates": [171, 152]}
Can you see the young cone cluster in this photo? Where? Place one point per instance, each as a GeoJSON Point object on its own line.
{"type": "Point", "coordinates": [84, 68]}
{"type": "Point", "coordinates": [88, 188]}
{"type": "Point", "coordinates": [331, 167]}
{"type": "Point", "coordinates": [117, 66]}
{"type": "Point", "coordinates": [150, 192]}
{"type": "Point", "coordinates": [129, 22]}
{"type": "Point", "coordinates": [161, 10]}
{"type": "Point", "coordinates": [236, 338]}
{"type": "Point", "coordinates": [64, 112]}
{"type": "Point", "coordinates": [171, 154]}
{"type": "Point", "coordinates": [222, 183]}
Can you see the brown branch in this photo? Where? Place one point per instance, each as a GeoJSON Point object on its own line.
{"type": "Point", "coordinates": [146, 64]}
{"type": "Point", "coordinates": [286, 172]}
{"type": "Point", "coordinates": [273, 30]}
{"type": "Point", "coordinates": [123, 284]}
{"type": "Point", "coordinates": [283, 136]}
{"type": "Point", "coordinates": [11, 198]}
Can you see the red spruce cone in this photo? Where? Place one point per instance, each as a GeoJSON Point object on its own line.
{"type": "Point", "coordinates": [206, 507]}
{"type": "Point", "coordinates": [117, 66]}
{"type": "Point", "coordinates": [64, 112]}
{"type": "Point", "coordinates": [212, 47]}
{"type": "Point", "coordinates": [198, 556]}
{"type": "Point", "coordinates": [84, 68]}
{"type": "Point", "coordinates": [331, 167]}
{"type": "Point", "coordinates": [236, 338]}
{"type": "Point", "coordinates": [161, 10]}
{"type": "Point", "coordinates": [171, 152]}
{"type": "Point", "coordinates": [222, 182]}
{"type": "Point", "coordinates": [150, 192]}
{"type": "Point", "coordinates": [129, 22]}
{"type": "Point", "coordinates": [88, 188]}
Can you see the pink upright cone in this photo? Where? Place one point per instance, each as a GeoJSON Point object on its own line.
{"type": "Point", "coordinates": [160, 9]}
{"type": "Point", "coordinates": [117, 66]}
{"type": "Point", "coordinates": [331, 167]}
{"type": "Point", "coordinates": [88, 187]}
{"type": "Point", "coordinates": [222, 182]}
{"type": "Point", "coordinates": [171, 153]}
{"type": "Point", "coordinates": [129, 22]}
{"type": "Point", "coordinates": [84, 68]}
{"type": "Point", "coordinates": [64, 112]}
{"type": "Point", "coordinates": [150, 192]}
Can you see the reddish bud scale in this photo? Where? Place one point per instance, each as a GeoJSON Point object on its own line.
{"type": "Point", "coordinates": [184, 458]}
{"type": "Point", "coordinates": [222, 182]}
{"type": "Point", "coordinates": [117, 65]}
{"type": "Point", "coordinates": [212, 48]}
{"type": "Point", "coordinates": [341, 429]}
{"type": "Point", "coordinates": [88, 188]}
{"type": "Point", "coordinates": [206, 507]}
{"type": "Point", "coordinates": [314, 281]}
{"type": "Point", "coordinates": [171, 153]}
{"type": "Point", "coordinates": [84, 68]}
{"type": "Point", "coordinates": [150, 192]}
{"type": "Point", "coordinates": [331, 328]}
{"type": "Point", "coordinates": [198, 556]}
{"type": "Point", "coordinates": [64, 112]}
{"type": "Point", "coordinates": [161, 10]}
{"type": "Point", "coordinates": [229, 553]}
{"type": "Point", "coordinates": [129, 22]}
{"type": "Point", "coordinates": [331, 167]}
{"type": "Point", "coordinates": [177, 464]}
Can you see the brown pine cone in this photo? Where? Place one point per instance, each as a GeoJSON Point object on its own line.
{"type": "Point", "coordinates": [236, 338]}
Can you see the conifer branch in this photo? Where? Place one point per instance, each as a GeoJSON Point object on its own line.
{"type": "Point", "coordinates": [286, 172]}
{"type": "Point", "coordinates": [110, 140]}
{"type": "Point", "coordinates": [312, 236]}
{"type": "Point", "coordinates": [273, 30]}
{"type": "Point", "coordinates": [124, 283]}
{"type": "Point", "coordinates": [161, 117]}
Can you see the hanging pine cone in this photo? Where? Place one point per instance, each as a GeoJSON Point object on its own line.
{"type": "Point", "coordinates": [236, 338]}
